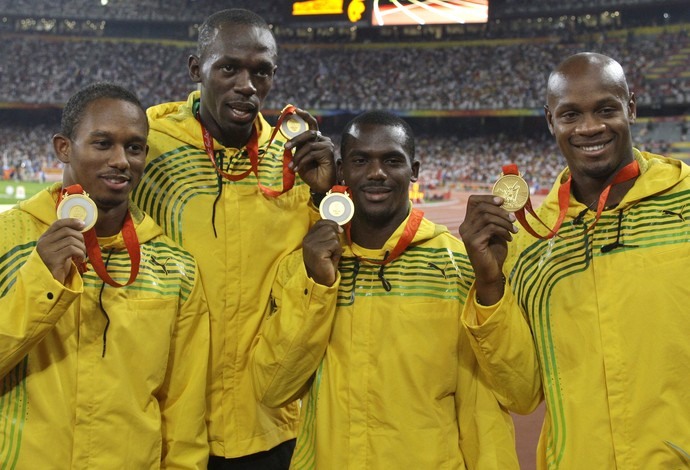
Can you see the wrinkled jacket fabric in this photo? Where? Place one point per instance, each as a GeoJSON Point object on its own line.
{"type": "Point", "coordinates": [182, 191]}
{"type": "Point", "coordinates": [76, 395]}
{"type": "Point", "coordinates": [608, 310]}
{"type": "Point", "coordinates": [388, 378]}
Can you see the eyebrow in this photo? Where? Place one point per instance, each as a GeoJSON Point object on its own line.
{"type": "Point", "coordinates": [101, 133]}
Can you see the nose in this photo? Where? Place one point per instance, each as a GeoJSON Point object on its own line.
{"type": "Point", "coordinates": [590, 124]}
{"type": "Point", "coordinates": [118, 158]}
{"type": "Point", "coordinates": [376, 171]}
{"type": "Point", "coordinates": [244, 84]}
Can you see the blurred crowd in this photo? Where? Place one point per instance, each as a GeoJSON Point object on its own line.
{"type": "Point", "coordinates": [448, 161]}
{"type": "Point", "coordinates": [155, 10]}
{"type": "Point", "coordinates": [438, 77]}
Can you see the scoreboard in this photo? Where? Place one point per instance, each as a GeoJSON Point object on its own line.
{"type": "Point", "coordinates": [392, 12]}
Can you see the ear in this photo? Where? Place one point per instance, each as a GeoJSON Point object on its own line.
{"type": "Point", "coordinates": [632, 108]}
{"type": "Point", "coordinates": [549, 118]}
{"type": "Point", "coordinates": [193, 68]}
{"type": "Point", "coordinates": [62, 147]}
{"type": "Point", "coordinates": [339, 177]}
{"type": "Point", "coordinates": [415, 170]}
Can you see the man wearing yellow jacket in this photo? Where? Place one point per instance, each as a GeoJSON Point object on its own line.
{"type": "Point", "coordinates": [218, 180]}
{"type": "Point", "coordinates": [605, 298]}
{"type": "Point", "coordinates": [370, 334]}
{"type": "Point", "coordinates": [103, 362]}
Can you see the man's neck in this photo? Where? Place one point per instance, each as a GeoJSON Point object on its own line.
{"type": "Point", "coordinates": [110, 221]}
{"type": "Point", "coordinates": [373, 236]}
{"type": "Point", "coordinates": [235, 137]}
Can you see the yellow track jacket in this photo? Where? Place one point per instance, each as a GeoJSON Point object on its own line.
{"type": "Point", "coordinates": [610, 324]}
{"type": "Point", "coordinates": [66, 403]}
{"type": "Point", "coordinates": [181, 190]}
{"type": "Point", "coordinates": [391, 379]}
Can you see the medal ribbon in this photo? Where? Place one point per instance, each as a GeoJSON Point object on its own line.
{"type": "Point", "coordinates": [628, 172]}
{"type": "Point", "coordinates": [93, 251]}
{"type": "Point", "coordinates": [410, 230]}
{"type": "Point", "coordinates": [253, 152]}
{"type": "Point", "coordinates": [342, 189]}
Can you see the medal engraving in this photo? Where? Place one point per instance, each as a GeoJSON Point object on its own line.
{"type": "Point", "coordinates": [337, 207]}
{"type": "Point", "coordinates": [78, 206]}
{"type": "Point", "coordinates": [293, 125]}
{"type": "Point", "coordinates": [514, 191]}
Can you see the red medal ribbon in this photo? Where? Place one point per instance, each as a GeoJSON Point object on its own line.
{"type": "Point", "coordinates": [93, 251]}
{"type": "Point", "coordinates": [342, 189]}
{"type": "Point", "coordinates": [628, 172]}
{"type": "Point", "coordinates": [253, 152]}
{"type": "Point", "coordinates": [410, 230]}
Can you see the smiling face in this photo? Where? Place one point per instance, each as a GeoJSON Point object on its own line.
{"type": "Point", "coordinates": [235, 70]}
{"type": "Point", "coordinates": [106, 153]}
{"type": "Point", "coordinates": [378, 168]}
{"type": "Point", "coordinates": [589, 112]}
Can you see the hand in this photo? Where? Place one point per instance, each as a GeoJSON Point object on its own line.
{"type": "Point", "coordinates": [314, 157]}
{"type": "Point", "coordinates": [486, 231]}
{"type": "Point", "coordinates": [62, 242]}
{"type": "Point", "coordinates": [321, 252]}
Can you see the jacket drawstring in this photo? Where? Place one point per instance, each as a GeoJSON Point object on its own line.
{"type": "Point", "coordinates": [384, 282]}
{"type": "Point", "coordinates": [100, 302]}
{"type": "Point", "coordinates": [220, 192]}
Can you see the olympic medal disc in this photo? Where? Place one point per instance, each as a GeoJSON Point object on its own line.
{"type": "Point", "coordinates": [293, 125]}
{"type": "Point", "coordinates": [514, 191]}
{"type": "Point", "coordinates": [78, 206]}
{"type": "Point", "coordinates": [337, 207]}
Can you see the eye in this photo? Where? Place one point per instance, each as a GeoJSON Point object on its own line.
{"type": "Point", "coordinates": [264, 72]}
{"type": "Point", "coordinates": [228, 68]}
{"type": "Point", "coordinates": [101, 144]}
{"type": "Point", "coordinates": [395, 161]}
{"type": "Point", "coordinates": [136, 149]}
{"type": "Point", "coordinates": [607, 111]}
{"type": "Point", "coordinates": [568, 116]}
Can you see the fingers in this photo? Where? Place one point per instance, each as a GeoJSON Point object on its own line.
{"type": "Point", "coordinates": [322, 251]}
{"type": "Point", "coordinates": [485, 218]}
{"type": "Point", "coordinates": [62, 242]}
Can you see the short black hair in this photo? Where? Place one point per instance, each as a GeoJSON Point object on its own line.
{"type": "Point", "coordinates": [380, 118]}
{"type": "Point", "coordinates": [235, 16]}
{"type": "Point", "coordinates": [76, 105]}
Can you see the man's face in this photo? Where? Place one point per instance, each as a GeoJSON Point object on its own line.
{"type": "Point", "coordinates": [107, 153]}
{"type": "Point", "coordinates": [236, 71]}
{"type": "Point", "coordinates": [590, 115]}
{"type": "Point", "coordinates": [378, 170]}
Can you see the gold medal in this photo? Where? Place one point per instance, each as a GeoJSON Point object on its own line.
{"type": "Point", "coordinates": [514, 191]}
{"type": "Point", "coordinates": [78, 206]}
{"type": "Point", "coordinates": [293, 125]}
{"type": "Point", "coordinates": [337, 207]}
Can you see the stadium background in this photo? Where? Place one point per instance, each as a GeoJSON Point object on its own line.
{"type": "Point", "coordinates": [471, 88]}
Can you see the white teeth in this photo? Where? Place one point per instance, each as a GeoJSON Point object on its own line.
{"type": "Point", "coordinates": [593, 148]}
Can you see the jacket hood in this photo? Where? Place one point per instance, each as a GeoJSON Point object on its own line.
{"type": "Point", "coordinates": [43, 207]}
{"type": "Point", "coordinates": [177, 120]}
{"type": "Point", "coordinates": [657, 174]}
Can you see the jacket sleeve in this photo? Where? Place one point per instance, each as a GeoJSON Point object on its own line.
{"type": "Point", "coordinates": [31, 304]}
{"type": "Point", "coordinates": [505, 351]}
{"type": "Point", "coordinates": [183, 395]}
{"type": "Point", "coordinates": [294, 335]}
{"type": "Point", "coordinates": [487, 435]}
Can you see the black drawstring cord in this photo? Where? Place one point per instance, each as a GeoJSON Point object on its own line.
{"type": "Point", "coordinates": [617, 242]}
{"type": "Point", "coordinates": [220, 191]}
{"type": "Point", "coordinates": [100, 302]}
{"type": "Point", "coordinates": [386, 285]}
